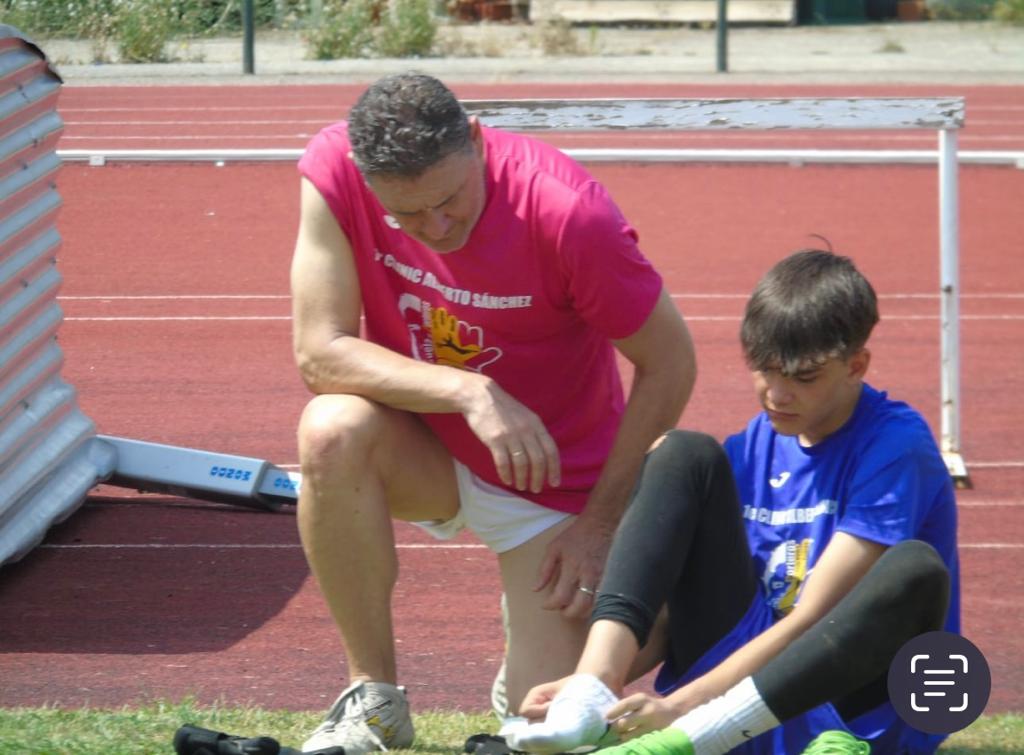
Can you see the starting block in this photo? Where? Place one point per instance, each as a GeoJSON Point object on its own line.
{"type": "Point", "coordinates": [206, 475]}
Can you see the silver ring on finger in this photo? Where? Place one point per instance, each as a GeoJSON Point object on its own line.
{"type": "Point", "coordinates": [588, 591]}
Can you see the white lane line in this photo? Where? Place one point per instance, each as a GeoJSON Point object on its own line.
{"type": "Point", "coordinates": [682, 136]}
{"type": "Point", "coordinates": [689, 318]}
{"type": "Point", "coordinates": [973, 464]}
{"type": "Point", "coordinates": [994, 295]}
{"type": "Point", "coordinates": [989, 504]}
{"type": "Point", "coordinates": [682, 295]}
{"type": "Point", "coordinates": [238, 546]}
{"type": "Point", "coordinates": [404, 546]}
{"type": "Point", "coordinates": [197, 109]}
{"type": "Point", "coordinates": [263, 107]}
{"type": "Point", "coordinates": [183, 137]}
{"type": "Point", "coordinates": [327, 121]}
{"type": "Point", "coordinates": [172, 297]}
{"type": "Point", "coordinates": [302, 122]}
{"type": "Point", "coordinates": [887, 318]}
{"type": "Point", "coordinates": [203, 318]}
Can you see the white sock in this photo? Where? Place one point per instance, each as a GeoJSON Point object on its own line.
{"type": "Point", "coordinates": [575, 718]}
{"type": "Point", "coordinates": [727, 721]}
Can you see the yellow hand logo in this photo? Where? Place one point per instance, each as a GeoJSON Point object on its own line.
{"type": "Point", "coordinates": [448, 347]}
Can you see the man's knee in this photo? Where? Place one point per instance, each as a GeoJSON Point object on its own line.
{"type": "Point", "coordinates": [338, 430]}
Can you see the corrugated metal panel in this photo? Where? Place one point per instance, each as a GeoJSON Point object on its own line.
{"type": "Point", "coordinates": [49, 453]}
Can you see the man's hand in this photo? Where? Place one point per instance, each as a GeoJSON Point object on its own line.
{"type": "Point", "coordinates": [639, 714]}
{"type": "Point", "coordinates": [573, 565]}
{"type": "Point", "coordinates": [535, 705]}
{"type": "Point", "coordinates": [524, 453]}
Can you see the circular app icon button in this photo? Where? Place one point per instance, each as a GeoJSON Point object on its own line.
{"type": "Point", "coordinates": [939, 682]}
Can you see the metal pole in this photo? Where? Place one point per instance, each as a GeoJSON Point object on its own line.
{"type": "Point", "coordinates": [316, 12]}
{"type": "Point", "coordinates": [248, 37]}
{"type": "Point", "coordinates": [721, 38]}
{"type": "Point", "coordinates": [949, 292]}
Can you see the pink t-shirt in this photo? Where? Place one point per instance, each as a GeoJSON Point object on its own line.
{"type": "Point", "coordinates": [550, 273]}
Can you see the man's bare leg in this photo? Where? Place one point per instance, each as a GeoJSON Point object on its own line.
{"type": "Point", "coordinates": [543, 645]}
{"type": "Point", "coordinates": [364, 464]}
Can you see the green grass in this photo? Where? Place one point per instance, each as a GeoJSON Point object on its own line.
{"type": "Point", "coordinates": [150, 729]}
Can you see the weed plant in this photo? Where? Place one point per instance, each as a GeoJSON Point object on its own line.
{"type": "Point", "coordinates": [960, 10]}
{"type": "Point", "coordinates": [344, 31]}
{"type": "Point", "coordinates": [1009, 11]}
{"type": "Point", "coordinates": [143, 28]}
{"type": "Point", "coordinates": [407, 29]}
{"type": "Point", "coordinates": [373, 28]}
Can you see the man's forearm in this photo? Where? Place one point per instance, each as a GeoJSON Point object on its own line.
{"type": "Point", "coordinates": [349, 364]}
{"type": "Point", "coordinates": [656, 401]}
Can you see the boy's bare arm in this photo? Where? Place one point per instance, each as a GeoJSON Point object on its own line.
{"type": "Point", "coordinates": [844, 561]}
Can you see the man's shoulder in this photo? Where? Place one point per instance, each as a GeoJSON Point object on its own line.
{"type": "Point", "coordinates": [529, 159]}
{"type": "Point", "coordinates": [332, 139]}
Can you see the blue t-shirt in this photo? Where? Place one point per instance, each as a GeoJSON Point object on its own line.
{"type": "Point", "coordinates": [879, 477]}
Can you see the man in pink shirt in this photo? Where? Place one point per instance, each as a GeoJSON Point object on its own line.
{"type": "Point", "coordinates": [497, 279]}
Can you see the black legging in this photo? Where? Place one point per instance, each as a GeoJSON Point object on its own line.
{"type": "Point", "coordinates": [682, 544]}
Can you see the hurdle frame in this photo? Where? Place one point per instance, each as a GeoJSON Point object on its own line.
{"type": "Point", "coordinates": [942, 114]}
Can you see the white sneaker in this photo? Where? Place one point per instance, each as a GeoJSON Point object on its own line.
{"type": "Point", "coordinates": [366, 717]}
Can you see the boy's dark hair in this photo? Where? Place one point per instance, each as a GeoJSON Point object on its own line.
{"type": "Point", "coordinates": [809, 307]}
{"type": "Point", "coordinates": [404, 124]}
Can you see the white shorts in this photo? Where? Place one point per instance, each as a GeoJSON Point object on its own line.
{"type": "Point", "coordinates": [500, 519]}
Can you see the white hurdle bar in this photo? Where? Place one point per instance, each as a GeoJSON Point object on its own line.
{"type": "Point", "coordinates": [942, 114]}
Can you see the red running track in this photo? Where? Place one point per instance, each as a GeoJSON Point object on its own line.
{"type": "Point", "coordinates": [177, 331]}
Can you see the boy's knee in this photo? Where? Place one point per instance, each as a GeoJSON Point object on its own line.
{"type": "Point", "coordinates": [689, 445]}
{"type": "Point", "coordinates": [923, 576]}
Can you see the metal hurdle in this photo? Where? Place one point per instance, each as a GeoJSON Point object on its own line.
{"type": "Point", "coordinates": [942, 114]}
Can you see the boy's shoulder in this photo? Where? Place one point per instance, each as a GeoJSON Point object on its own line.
{"type": "Point", "coordinates": [896, 424]}
{"type": "Point", "coordinates": [880, 427]}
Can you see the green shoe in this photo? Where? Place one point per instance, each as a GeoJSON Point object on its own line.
{"type": "Point", "coordinates": [668, 741]}
{"type": "Point", "coordinates": [837, 743]}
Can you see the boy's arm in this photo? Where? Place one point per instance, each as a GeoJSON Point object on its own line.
{"type": "Point", "coordinates": [844, 561]}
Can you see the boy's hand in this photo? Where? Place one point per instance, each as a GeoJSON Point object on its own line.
{"type": "Point", "coordinates": [639, 714]}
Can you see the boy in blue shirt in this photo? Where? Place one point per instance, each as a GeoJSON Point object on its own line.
{"type": "Point", "coordinates": [774, 579]}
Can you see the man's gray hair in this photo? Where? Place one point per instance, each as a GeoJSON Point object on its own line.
{"type": "Point", "coordinates": [404, 124]}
